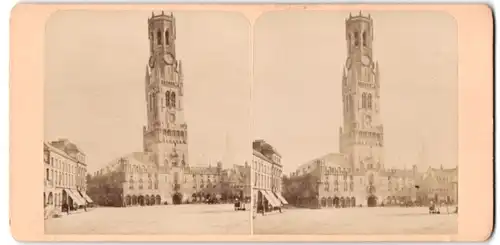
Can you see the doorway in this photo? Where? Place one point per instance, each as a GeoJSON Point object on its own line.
{"type": "Point", "coordinates": [372, 201]}
{"type": "Point", "coordinates": [177, 198]}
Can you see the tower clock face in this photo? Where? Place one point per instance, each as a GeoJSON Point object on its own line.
{"type": "Point", "coordinates": [368, 121]}
{"type": "Point", "coordinates": [171, 117]}
{"type": "Point", "coordinates": [169, 59]}
{"type": "Point", "coordinates": [365, 60]}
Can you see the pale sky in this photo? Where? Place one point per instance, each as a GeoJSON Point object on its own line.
{"type": "Point", "coordinates": [95, 70]}
{"type": "Point", "coordinates": [297, 103]}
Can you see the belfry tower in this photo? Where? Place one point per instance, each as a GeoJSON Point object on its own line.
{"type": "Point", "coordinates": [166, 132]}
{"type": "Point", "coordinates": [361, 137]}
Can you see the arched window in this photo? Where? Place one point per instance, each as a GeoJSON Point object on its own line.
{"type": "Point", "coordinates": [158, 37]}
{"type": "Point", "coordinates": [173, 99]}
{"type": "Point", "coordinates": [167, 98]}
{"type": "Point", "coordinates": [369, 101]}
{"type": "Point", "coordinates": [356, 39]}
{"type": "Point", "coordinates": [364, 39]}
{"type": "Point", "coordinates": [167, 37]}
{"type": "Point", "coordinates": [140, 184]}
{"type": "Point", "coordinates": [363, 100]}
{"type": "Point", "coordinates": [150, 184]}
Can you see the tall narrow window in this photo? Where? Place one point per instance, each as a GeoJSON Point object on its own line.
{"type": "Point", "coordinates": [150, 102]}
{"type": "Point", "coordinates": [167, 98]}
{"type": "Point", "coordinates": [363, 100]}
{"type": "Point", "coordinates": [364, 39]}
{"type": "Point", "coordinates": [347, 103]}
{"type": "Point", "coordinates": [369, 101]}
{"type": "Point", "coordinates": [173, 99]}
{"type": "Point", "coordinates": [154, 102]}
{"type": "Point", "coordinates": [356, 39]}
{"type": "Point", "coordinates": [167, 37]}
{"type": "Point", "coordinates": [158, 37]}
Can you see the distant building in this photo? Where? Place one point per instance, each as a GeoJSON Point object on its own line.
{"type": "Point", "coordinates": [267, 171]}
{"type": "Point", "coordinates": [439, 185]}
{"type": "Point", "coordinates": [326, 181]}
{"type": "Point", "coordinates": [65, 171]}
{"type": "Point", "coordinates": [238, 182]}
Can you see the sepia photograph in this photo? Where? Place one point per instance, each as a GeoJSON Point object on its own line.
{"type": "Point", "coordinates": [355, 123]}
{"type": "Point", "coordinates": [147, 123]}
{"type": "Point", "coordinates": [251, 123]}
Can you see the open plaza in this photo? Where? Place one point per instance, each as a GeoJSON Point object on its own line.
{"type": "Point", "coordinates": [376, 221]}
{"type": "Point", "coordinates": [196, 219]}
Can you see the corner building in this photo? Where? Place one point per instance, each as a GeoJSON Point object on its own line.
{"type": "Point", "coordinates": [267, 171]}
{"type": "Point", "coordinates": [65, 170]}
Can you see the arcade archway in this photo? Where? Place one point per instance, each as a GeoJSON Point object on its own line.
{"type": "Point", "coordinates": [177, 198]}
{"type": "Point", "coordinates": [372, 201]}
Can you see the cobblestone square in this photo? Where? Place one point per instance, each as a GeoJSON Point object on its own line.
{"type": "Point", "coordinates": [393, 220]}
{"type": "Point", "coordinates": [196, 219]}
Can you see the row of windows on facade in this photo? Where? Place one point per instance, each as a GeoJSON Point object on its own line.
{"type": "Point", "coordinates": [444, 179]}
{"type": "Point", "coordinates": [54, 199]}
{"type": "Point", "coordinates": [336, 176]}
{"type": "Point", "coordinates": [336, 186]}
{"type": "Point", "coordinates": [65, 167]}
{"type": "Point", "coordinates": [357, 40]}
{"type": "Point", "coordinates": [159, 37]}
{"type": "Point", "coordinates": [259, 166]}
{"type": "Point", "coordinates": [62, 179]}
{"type": "Point", "coordinates": [262, 181]}
{"type": "Point", "coordinates": [202, 176]}
{"type": "Point", "coordinates": [390, 180]}
{"type": "Point", "coordinates": [437, 189]}
{"type": "Point", "coordinates": [351, 187]}
{"type": "Point", "coordinates": [140, 185]}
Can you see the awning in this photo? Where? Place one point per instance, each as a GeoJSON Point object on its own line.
{"type": "Point", "coordinates": [281, 198]}
{"type": "Point", "coordinates": [75, 196]}
{"type": "Point", "coordinates": [274, 199]}
{"type": "Point", "coordinates": [86, 197]}
{"type": "Point", "coordinates": [270, 199]}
